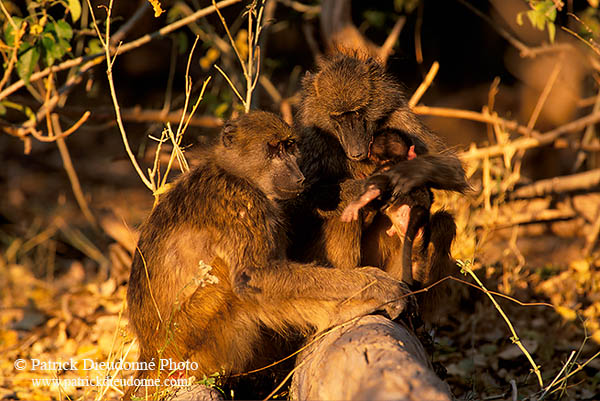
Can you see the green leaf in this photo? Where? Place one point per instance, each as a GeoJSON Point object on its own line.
{"type": "Point", "coordinates": [407, 6]}
{"type": "Point", "coordinates": [64, 47]}
{"type": "Point", "coordinates": [551, 31]}
{"type": "Point", "coordinates": [9, 31]}
{"type": "Point", "coordinates": [63, 30]}
{"type": "Point", "coordinates": [520, 18]}
{"type": "Point", "coordinates": [375, 18]}
{"type": "Point", "coordinates": [27, 62]}
{"type": "Point", "coordinates": [2, 109]}
{"type": "Point", "coordinates": [181, 40]}
{"type": "Point", "coordinates": [537, 19]}
{"type": "Point", "coordinates": [50, 46]}
{"type": "Point", "coordinates": [74, 9]}
{"type": "Point", "coordinates": [173, 14]}
{"type": "Point", "coordinates": [93, 47]}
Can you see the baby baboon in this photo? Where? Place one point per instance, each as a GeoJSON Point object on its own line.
{"type": "Point", "coordinates": [344, 103]}
{"type": "Point", "coordinates": [408, 212]}
{"type": "Point", "coordinates": [209, 272]}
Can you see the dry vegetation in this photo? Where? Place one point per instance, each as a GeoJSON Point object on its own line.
{"type": "Point", "coordinates": [523, 320]}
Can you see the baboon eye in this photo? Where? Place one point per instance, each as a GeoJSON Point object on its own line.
{"type": "Point", "coordinates": [289, 145]}
{"type": "Point", "coordinates": [344, 114]}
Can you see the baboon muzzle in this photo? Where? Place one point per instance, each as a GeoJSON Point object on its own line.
{"type": "Point", "coordinates": [354, 140]}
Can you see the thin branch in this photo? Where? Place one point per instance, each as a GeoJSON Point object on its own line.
{"type": "Point", "coordinates": [549, 137]}
{"type": "Point", "coordinates": [476, 116]}
{"type": "Point", "coordinates": [544, 95]}
{"type": "Point", "coordinates": [113, 94]}
{"type": "Point", "coordinates": [68, 165]}
{"type": "Point", "coordinates": [77, 124]}
{"type": "Point", "coordinates": [231, 85]}
{"type": "Point", "coordinates": [231, 41]}
{"type": "Point", "coordinates": [386, 49]}
{"type": "Point", "coordinates": [8, 16]}
{"type": "Point", "coordinates": [558, 375]}
{"type": "Point", "coordinates": [424, 85]}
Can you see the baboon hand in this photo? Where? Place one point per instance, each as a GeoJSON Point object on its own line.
{"type": "Point", "coordinates": [390, 294]}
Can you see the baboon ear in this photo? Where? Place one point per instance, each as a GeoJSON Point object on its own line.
{"type": "Point", "coordinates": [227, 134]}
{"type": "Point", "coordinates": [307, 79]}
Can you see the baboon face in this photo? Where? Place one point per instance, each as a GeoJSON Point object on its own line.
{"type": "Point", "coordinates": [261, 148]}
{"type": "Point", "coordinates": [348, 98]}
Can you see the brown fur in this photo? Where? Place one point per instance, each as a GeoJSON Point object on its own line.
{"type": "Point", "coordinates": [345, 102]}
{"type": "Point", "coordinates": [225, 213]}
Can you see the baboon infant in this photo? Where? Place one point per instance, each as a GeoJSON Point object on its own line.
{"type": "Point", "coordinates": [408, 212]}
{"type": "Point", "coordinates": [209, 272]}
{"type": "Point", "coordinates": [345, 102]}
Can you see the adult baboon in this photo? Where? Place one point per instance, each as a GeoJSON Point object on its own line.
{"type": "Point", "coordinates": [344, 103]}
{"type": "Point", "coordinates": [209, 271]}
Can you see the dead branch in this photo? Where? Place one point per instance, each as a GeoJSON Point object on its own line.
{"type": "Point", "coordinates": [138, 115]}
{"type": "Point", "coordinates": [569, 183]}
{"type": "Point", "coordinates": [475, 116]}
{"type": "Point", "coordinates": [424, 85]}
{"type": "Point", "coordinates": [371, 358]}
{"type": "Point", "coordinates": [72, 174]}
{"type": "Point", "coordinates": [525, 143]}
{"type": "Point", "coordinates": [513, 219]}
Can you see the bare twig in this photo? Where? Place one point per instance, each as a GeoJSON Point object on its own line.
{"type": "Point", "coordinates": [500, 222]}
{"type": "Point", "coordinates": [475, 116]}
{"type": "Point", "coordinates": [109, 64]}
{"type": "Point", "coordinates": [300, 7]}
{"type": "Point", "coordinates": [424, 85]}
{"type": "Point", "coordinates": [386, 49]}
{"type": "Point", "coordinates": [524, 143]}
{"type": "Point", "coordinates": [139, 115]}
{"type": "Point", "coordinates": [250, 66]}
{"type": "Point", "coordinates": [558, 375]}
{"type": "Point", "coordinates": [68, 165]}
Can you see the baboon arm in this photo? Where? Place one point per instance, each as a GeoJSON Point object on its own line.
{"type": "Point", "coordinates": [431, 170]}
{"type": "Point", "coordinates": [289, 280]}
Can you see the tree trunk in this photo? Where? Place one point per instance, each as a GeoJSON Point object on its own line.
{"type": "Point", "coordinates": [372, 358]}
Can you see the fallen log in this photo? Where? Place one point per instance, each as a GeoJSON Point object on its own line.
{"type": "Point", "coordinates": [371, 358]}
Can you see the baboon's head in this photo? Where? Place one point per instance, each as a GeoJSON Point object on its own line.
{"type": "Point", "coordinates": [390, 145]}
{"type": "Point", "coordinates": [261, 148]}
{"type": "Point", "coordinates": [349, 97]}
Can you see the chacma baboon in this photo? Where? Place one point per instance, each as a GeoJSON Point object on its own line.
{"type": "Point", "coordinates": [408, 212]}
{"type": "Point", "coordinates": [344, 103]}
{"type": "Point", "coordinates": [210, 271]}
